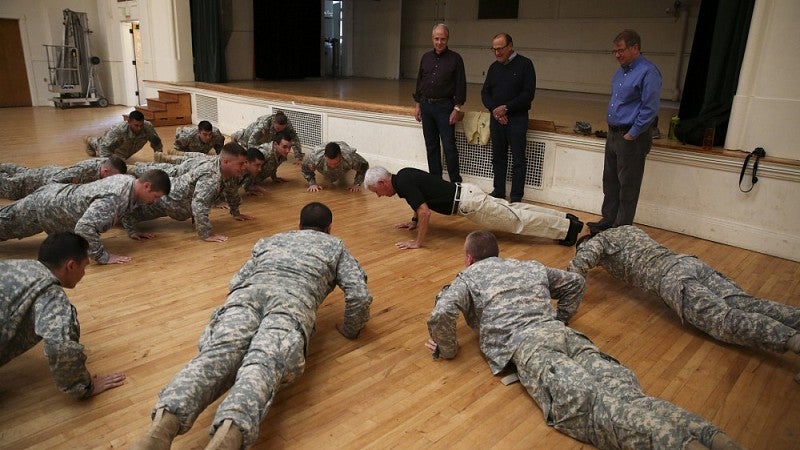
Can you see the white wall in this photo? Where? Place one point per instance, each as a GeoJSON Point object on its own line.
{"type": "Point", "coordinates": [376, 31]}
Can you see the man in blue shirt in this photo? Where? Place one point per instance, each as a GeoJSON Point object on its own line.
{"type": "Point", "coordinates": [507, 93]}
{"type": "Point", "coordinates": [635, 96]}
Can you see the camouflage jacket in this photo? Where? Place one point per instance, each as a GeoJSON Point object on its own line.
{"type": "Point", "coordinates": [22, 181]}
{"type": "Point", "coordinates": [301, 268]}
{"type": "Point", "coordinates": [350, 161]}
{"type": "Point", "coordinates": [628, 254]}
{"type": "Point", "coordinates": [123, 142]}
{"type": "Point", "coordinates": [261, 132]}
{"type": "Point", "coordinates": [34, 308]}
{"type": "Point", "coordinates": [187, 139]}
{"type": "Point", "coordinates": [87, 209]}
{"type": "Point", "coordinates": [268, 170]}
{"type": "Point", "coordinates": [501, 298]}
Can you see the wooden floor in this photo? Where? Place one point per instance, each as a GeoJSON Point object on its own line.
{"type": "Point", "coordinates": [381, 390]}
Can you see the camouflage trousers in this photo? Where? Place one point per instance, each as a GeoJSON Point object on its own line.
{"type": "Point", "coordinates": [518, 218]}
{"type": "Point", "coordinates": [18, 186]}
{"type": "Point", "coordinates": [243, 350]}
{"type": "Point", "coordinates": [591, 397]}
{"type": "Point", "coordinates": [716, 305]}
{"type": "Point", "coordinates": [19, 220]}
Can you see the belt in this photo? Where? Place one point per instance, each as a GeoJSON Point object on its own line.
{"type": "Point", "coordinates": [432, 100]}
{"type": "Point", "coordinates": [619, 128]}
{"type": "Point", "coordinates": [456, 199]}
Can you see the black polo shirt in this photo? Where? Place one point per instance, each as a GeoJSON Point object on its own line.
{"type": "Point", "coordinates": [418, 187]}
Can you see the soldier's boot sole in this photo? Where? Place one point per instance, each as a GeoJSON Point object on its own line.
{"type": "Point", "coordinates": [227, 437]}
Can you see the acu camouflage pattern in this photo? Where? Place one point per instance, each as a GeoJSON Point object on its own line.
{"type": "Point", "coordinates": [121, 141]}
{"type": "Point", "coordinates": [34, 307]}
{"type": "Point", "coordinates": [261, 132]}
{"type": "Point", "coordinates": [268, 170]}
{"type": "Point", "coordinates": [192, 195]}
{"type": "Point", "coordinates": [257, 341]}
{"type": "Point", "coordinates": [699, 295]}
{"type": "Point", "coordinates": [87, 209]}
{"type": "Point", "coordinates": [17, 181]}
{"type": "Point", "coordinates": [582, 392]}
{"type": "Point", "coordinates": [187, 139]}
{"type": "Point", "coordinates": [350, 161]}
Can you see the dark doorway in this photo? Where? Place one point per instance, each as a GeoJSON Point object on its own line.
{"type": "Point", "coordinates": [13, 77]}
{"type": "Point", "coordinates": [287, 39]}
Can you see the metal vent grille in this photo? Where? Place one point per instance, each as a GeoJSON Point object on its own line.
{"type": "Point", "coordinates": [206, 108]}
{"type": "Point", "coordinates": [476, 160]}
{"type": "Point", "coordinates": [307, 125]}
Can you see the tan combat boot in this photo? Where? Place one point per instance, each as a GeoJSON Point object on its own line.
{"type": "Point", "coordinates": [90, 150]}
{"type": "Point", "coordinates": [163, 430]}
{"type": "Point", "coordinates": [722, 441]}
{"type": "Point", "coordinates": [227, 437]}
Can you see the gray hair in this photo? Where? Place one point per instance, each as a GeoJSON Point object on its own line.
{"type": "Point", "coordinates": [442, 26]}
{"type": "Point", "coordinates": [375, 174]}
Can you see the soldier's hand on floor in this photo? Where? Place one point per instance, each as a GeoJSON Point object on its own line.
{"type": "Point", "coordinates": [407, 245]}
{"type": "Point", "coordinates": [101, 383]}
{"type": "Point", "coordinates": [433, 347]}
{"type": "Point", "coordinates": [355, 188]}
{"type": "Point", "coordinates": [216, 238]}
{"type": "Point", "coordinates": [406, 225]}
{"type": "Point", "coordinates": [142, 236]}
{"type": "Point", "coordinates": [223, 205]}
{"type": "Point", "coordinates": [118, 259]}
{"type": "Point", "coordinates": [314, 188]}
{"type": "Point", "coordinates": [243, 217]}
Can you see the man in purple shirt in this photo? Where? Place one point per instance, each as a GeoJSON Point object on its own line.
{"type": "Point", "coordinates": [635, 96]}
{"type": "Point", "coordinates": [441, 90]}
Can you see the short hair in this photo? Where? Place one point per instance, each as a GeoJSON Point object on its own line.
{"type": "Point", "coordinates": [136, 115]}
{"type": "Point", "coordinates": [158, 179]}
{"type": "Point", "coordinates": [375, 174]}
{"type": "Point", "coordinates": [442, 26]}
{"type": "Point", "coordinates": [60, 247]}
{"type": "Point", "coordinates": [232, 148]}
{"type": "Point", "coordinates": [253, 153]}
{"type": "Point", "coordinates": [117, 163]}
{"type": "Point", "coordinates": [481, 244]}
{"type": "Point", "coordinates": [315, 216]}
{"type": "Point", "coordinates": [332, 150]}
{"type": "Point", "coordinates": [205, 125]}
{"type": "Point", "coordinates": [630, 37]}
{"type": "Point", "coordinates": [280, 118]}
{"type": "Point", "coordinates": [282, 136]}
{"type": "Point", "coordinates": [505, 36]}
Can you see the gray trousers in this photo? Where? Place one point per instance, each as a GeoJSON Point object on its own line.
{"type": "Point", "coordinates": [591, 397]}
{"type": "Point", "coordinates": [623, 171]}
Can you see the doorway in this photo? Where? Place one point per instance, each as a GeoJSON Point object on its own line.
{"type": "Point", "coordinates": [14, 76]}
{"type": "Point", "coordinates": [333, 38]}
{"type": "Point", "coordinates": [131, 53]}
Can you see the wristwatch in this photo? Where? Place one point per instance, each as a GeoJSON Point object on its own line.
{"type": "Point", "coordinates": [457, 108]}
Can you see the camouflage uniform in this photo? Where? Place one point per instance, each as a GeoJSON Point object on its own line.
{"type": "Point", "coordinates": [259, 337]}
{"type": "Point", "coordinates": [261, 132]}
{"type": "Point", "coordinates": [187, 139]}
{"type": "Point", "coordinates": [121, 141]}
{"type": "Point", "coordinates": [87, 209]}
{"type": "Point", "coordinates": [582, 392]}
{"type": "Point", "coordinates": [268, 170]}
{"type": "Point", "coordinates": [350, 161]}
{"type": "Point", "coordinates": [192, 195]}
{"type": "Point", "coordinates": [36, 308]}
{"type": "Point", "coordinates": [696, 292]}
{"type": "Point", "coordinates": [17, 181]}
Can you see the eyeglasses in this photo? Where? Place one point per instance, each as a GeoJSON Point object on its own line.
{"type": "Point", "coordinates": [499, 49]}
{"type": "Point", "coordinates": [619, 51]}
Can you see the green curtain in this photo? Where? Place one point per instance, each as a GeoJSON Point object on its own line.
{"type": "Point", "coordinates": [208, 43]}
{"type": "Point", "coordinates": [713, 72]}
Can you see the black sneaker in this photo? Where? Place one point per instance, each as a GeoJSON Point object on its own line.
{"type": "Point", "coordinates": [496, 194]}
{"type": "Point", "coordinates": [575, 227]}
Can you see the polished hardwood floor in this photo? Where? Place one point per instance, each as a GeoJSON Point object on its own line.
{"type": "Point", "coordinates": [381, 390]}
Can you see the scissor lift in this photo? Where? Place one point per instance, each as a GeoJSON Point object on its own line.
{"type": "Point", "coordinates": [73, 72]}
